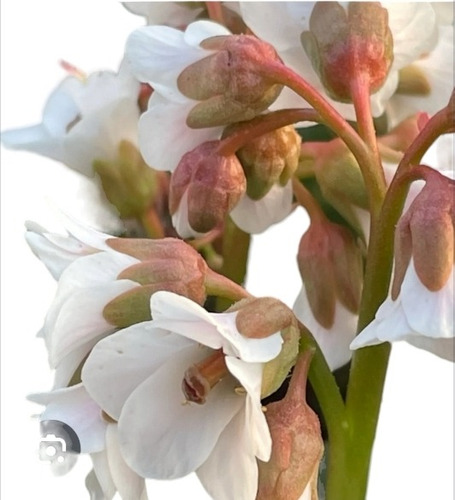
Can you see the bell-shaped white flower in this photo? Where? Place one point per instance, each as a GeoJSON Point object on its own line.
{"type": "Point", "coordinates": [412, 25]}
{"type": "Point", "coordinates": [84, 119]}
{"type": "Point", "coordinates": [157, 55]}
{"type": "Point", "coordinates": [419, 316]}
{"type": "Point", "coordinates": [136, 376]}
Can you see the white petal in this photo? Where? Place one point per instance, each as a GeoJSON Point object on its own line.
{"type": "Point", "coordinates": [250, 376]}
{"type": "Point", "coordinates": [234, 457]}
{"type": "Point", "coordinates": [80, 319]}
{"type": "Point", "coordinates": [334, 342]}
{"type": "Point", "coordinates": [129, 485]}
{"type": "Point", "coordinates": [428, 313]}
{"type": "Point", "coordinates": [158, 54]}
{"type": "Point", "coordinates": [444, 348]}
{"type": "Point", "coordinates": [255, 216]}
{"type": "Point", "coordinates": [412, 26]}
{"type": "Point", "coordinates": [278, 23]}
{"type": "Point", "coordinates": [121, 362]}
{"type": "Point", "coordinates": [164, 136]}
{"type": "Point", "coordinates": [198, 31]}
{"type": "Point", "coordinates": [169, 13]}
{"type": "Point", "coordinates": [103, 474]}
{"type": "Point", "coordinates": [183, 316]}
{"type": "Point", "coordinates": [74, 407]}
{"type": "Point", "coordinates": [162, 438]}
{"type": "Point", "coordinates": [94, 487]}
{"type": "Point", "coordinates": [35, 139]}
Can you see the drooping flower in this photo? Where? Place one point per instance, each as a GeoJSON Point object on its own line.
{"type": "Point", "coordinates": [137, 377]}
{"type": "Point", "coordinates": [420, 307]}
{"type": "Point", "coordinates": [84, 119]}
{"type": "Point", "coordinates": [413, 26]}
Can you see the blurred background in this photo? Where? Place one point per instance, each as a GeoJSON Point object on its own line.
{"type": "Point", "coordinates": [413, 456]}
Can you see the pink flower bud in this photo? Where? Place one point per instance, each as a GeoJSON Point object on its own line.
{"type": "Point", "coordinates": [206, 186]}
{"type": "Point", "coordinates": [331, 266]}
{"type": "Point", "coordinates": [230, 83]}
{"type": "Point", "coordinates": [297, 444]}
{"type": "Point", "coordinates": [345, 46]}
{"type": "Point", "coordinates": [426, 233]}
{"type": "Point", "coordinates": [271, 158]}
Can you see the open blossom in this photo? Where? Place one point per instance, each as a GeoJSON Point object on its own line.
{"type": "Point", "coordinates": [84, 119]}
{"type": "Point", "coordinates": [72, 416]}
{"type": "Point", "coordinates": [420, 308]}
{"type": "Point", "coordinates": [175, 14]}
{"type": "Point", "coordinates": [137, 376]}
{"type": "Point", "coordinates": [413, 26]}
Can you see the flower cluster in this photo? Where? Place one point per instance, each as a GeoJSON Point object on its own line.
{"type": "Point", "coordinates": [221, 119]}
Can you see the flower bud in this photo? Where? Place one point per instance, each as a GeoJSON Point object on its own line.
{"type": "Point", "coordinates": [204, 188]}
{"type": "Point", "coordinates": [331, 265]}
{"type": "Point", "coordinates": [402, 136]}
{"type": "Point", "coordinates": [128, 182]}
{"type": "Point", "coordinates": [339, 176]}
{"type": "Point", "coordinates": [345, 46]}
{"type": "Point", "coordinates": [231, 82]}
{"type": "Point", "coordinates": [426, 233]}
{"type": "Point", "coordinates": [297, 444]}
{"type": "Point", "coordinates": [262, 317]}
{"type": "Point", "coordinates": [168, 264]}
{"type": "Point", "coordinates": [271, 158]}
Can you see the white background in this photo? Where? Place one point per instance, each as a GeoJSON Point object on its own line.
{"type": "Point", "coordinates": [413, 457]}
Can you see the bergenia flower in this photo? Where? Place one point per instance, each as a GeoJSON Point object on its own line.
{"type": "Point", "coordinates": [73, 417]}
{"type": "Point", "coordinates": [157, 55]}
{"type": "Point", "coordinates": [413, 27]}
{"type": "Point", "coordinates": [137, 376]}
{"type": "Point", "coordinates": [420, 307]}
{"type": "Point", "coordinates": [84, 119]}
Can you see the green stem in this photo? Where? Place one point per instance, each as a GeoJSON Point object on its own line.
{"type": "Point", "coordinates": [331, 117]}
{"type": "Point", "coordinates": [236, 244]}
{"type": "Point", "coordinates": [264, 124]}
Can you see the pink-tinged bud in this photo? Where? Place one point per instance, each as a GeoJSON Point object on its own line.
{"type": "Point", "coordinates": [231, 83]}
{"type": "Point", "coordinates": [262, 317]}
{"type": "Point", "coordinates": [402, 136]}
{"type": "Point", "coordinates": [128, 182]}
{"type": "Point", "coordinates": [426, 233]}
{"type": "Point", "coordinates": [168, 264]}
{"type": "Point", "coordinates": [209, 184]}
{"type": "Point", "coordinates": [331, 265]}
{"type": "Point", "coordinates": [297, 444]}
{"type": "Point", "coordinates": [271, 158]}
{"type": "Point", "coordinates": [345, 46]}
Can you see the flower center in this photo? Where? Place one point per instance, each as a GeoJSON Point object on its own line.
{"type": "Point", "coordinates": [201, 377]}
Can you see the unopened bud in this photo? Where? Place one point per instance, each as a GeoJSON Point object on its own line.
{"type": "Point", "coordinates": [339, 176]}
{"type": "Point", "coordinates": [426, 233]}
{"type": "Point", "coordinates": [331, 265]}
{"type": "Point", "coordinates": [128, 182]}
{"type": "Point", "coordinates": [271, 158]}
{"type": "Point", "coordinates": [208, 185]}
{"type": "Point", "coordinates": [344, 46]}
{"type": "Point", "coordinates": [403, 135]}
{"type": "Point", "coordinates": [297, 444]}
{"type": "Point", "coordinates": [231, 83]}
{"type": "Point", "coordinates": [413, 82]}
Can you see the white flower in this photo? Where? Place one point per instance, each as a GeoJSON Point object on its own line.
{"type": "Point", "coordinates": [157, 55]}
{"type": "Point", "coordinates": [136, 376]}
{"type": "Point", "coordinates": [72, 416]}
{"type": "Point", "coordinates": [281, 24]}
{"type": "Point", "coordinates": [57, 251]}
{"type": "Point", "coordinates": [83, 120]}
{"type": "Point", "coordinates": [419, 316]}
